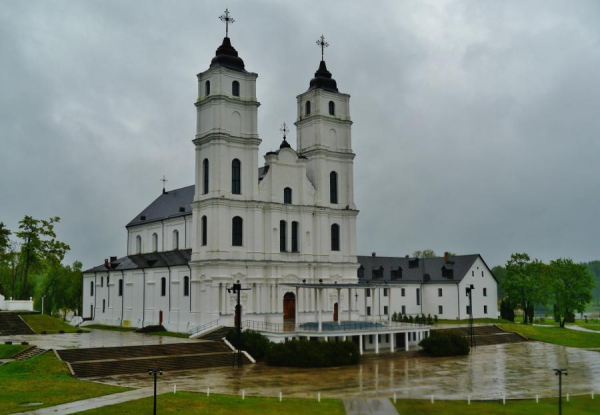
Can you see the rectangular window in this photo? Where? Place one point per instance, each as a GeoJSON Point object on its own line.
{"type": "Point", "coordinates": [439, 292]}
{"type": "Point", "coordinates": [385, 310]}
{"type": "Point", "coordinates": [295, 237]}
{"type": "Point", "coordinates": [403, 309]}
{"type": "Point", "coordinates": [101, 281]}
{"type": "Point", "coordinates": [485, 292]}
{"type": "Point", "coordinates": [440, 310]}
{"type": "Point", "coordinates": [368, 292]}
{"type": "Point", "coordinates": [418, 296]}
{"type": "Point", "coordinates": [103, 306]}
{"type": "Point", "coordinates": [484, 309]}
{"type": "Point", "coordinates": [468, 310]}
{"type": "Point", "coordinates": [282, 236]}
{"type": "Point", "coordinates": [368, 311]}
{"type": "Point", "coordinates": [120, 288]}
{"type": "Point", "coordinates": [385, 292]}
{"type": "Point", "coordinates": [402, 292]}
{"type": "Point", "coordinates": [472, 273]}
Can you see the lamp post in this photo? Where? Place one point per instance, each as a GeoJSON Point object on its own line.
{"type": "Point", "coordinates": [470, 289]}
{"type": "Point", "coordinates": [560, 373]}
{"type": "Point", "coordinates": [155, 372]}
{"type": "Point", "coordinates": [237, 289]}
{"type": "Point", "coordinates": [43, 296]}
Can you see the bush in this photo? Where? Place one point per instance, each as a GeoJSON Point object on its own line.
{"type": "Point", "coordinates": [302, 353]}
{"type": "Point", "coordinates": [253, 342]}
{"type": "Point", "coordinates": [445, 343]}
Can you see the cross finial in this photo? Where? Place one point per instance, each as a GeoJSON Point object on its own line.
{"type": "Point", "coordinates": [225, 17]}
{"type": "Point", "coordinates": [284, 129]}
{"type": "Point", "coordinates": [164, 180]}
{"type": "Point", "coordinates": [322, 44]}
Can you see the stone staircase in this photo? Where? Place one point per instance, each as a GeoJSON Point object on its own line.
{"type": "Point", "coordinates": [28, 353]}
{"type": "Point", "coordinates": [215, 335]}
{"type": "Point", "coordinates": [107, 361]}
{"type": "Point", "coordinates": [488, 335]}
{"type": "Point", "coordinates": [13, 324]}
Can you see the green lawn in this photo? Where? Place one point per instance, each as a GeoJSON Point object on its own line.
{"type": "Point", "coordinates": [580, 405]}
{"type": "Point", "coordinates": [49, 324]}
{"type": "Point", "coordinates": [475, 320]}
{"type": "Point", "coordinates": [555, 335]}
{"type": "Point", "coordinates": [111, 328]}
{"type": "Point", "coordinates": [197, 403]}
{"type": "Point", "coordinates": [43, 379]}
{"type": "Point", "coordinates": [9, 350]}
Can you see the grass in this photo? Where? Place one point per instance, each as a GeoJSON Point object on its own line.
{"type": "Point", "coordinates": [475, 320]}
{"type": "Point", "coordinates": [195, 403]}
{"type": "Point", "coordinates": [9, 350]}
{"type": "Point", "coordinates": [555, 335]}
{"type": "Point", "coordinates": [49, 324]}
{"type": "Point", "coordinates": [43, 379]}
{"type": "Point", "coordinates": [111, 328]}
{"type": "Point", "coordinates": [580, 405]}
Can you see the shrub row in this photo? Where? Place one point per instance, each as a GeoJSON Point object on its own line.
{"type": "Point", "coordinates": [418, 319]}
{"type": "Point", "coordinates": [303, 353]}
{"type": "Point", "coordinates": [252, 341]}
{"type": "Point", "coordinates": [445, 343]}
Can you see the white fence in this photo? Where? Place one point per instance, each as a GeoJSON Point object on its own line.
{"type": "Point", "coordinates": [16, 305]}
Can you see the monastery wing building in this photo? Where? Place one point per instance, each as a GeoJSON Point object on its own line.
{"type": "Point", "coordinates": [285, 231]}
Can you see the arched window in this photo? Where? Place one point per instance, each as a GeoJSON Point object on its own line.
{"type": "Point", "coordinates": [186, 286]}
{"type": "Point", "coordinates": [154, 242]}
{"type": "Point", "coordinates": [282, 236]}
{"type": "Point", "coordinates": [204, 231]}
{"type": "Point", "coordinates": [205, 165]}
{"type": "Point", "coordinates": [287, 196]}
{"type": "Point", "coordinates": [335, 237]}
{"type": "Point", "coordinates": [207, 88]}
{"type": "Point", "coordinates": [138, 244]}
{"type": "Point", "coordinates": [91, 288]}
{"type": "Point", "coordinates": [331, 108]}
{"type": "Point", "coordinates": [235, 88]}
{"type": "Point", "coordinates": [121, 287]}
{"type": "Point", "coordinates": [333, 187]}
{"type": "Point", "coordinates": [175, 239]}
{"type": "Point", "coordinates": [101, 281]}
{"type": "Point", "coordinates": [236, 177]}
{"type": "Point", "coordinates": [163, 286]}
{"type": "Point", "coordinates": [295, 237]}
{"type": "Point", "coordinates": [237, 232]}
{"type": "Point", "coordinates": [307, 108]}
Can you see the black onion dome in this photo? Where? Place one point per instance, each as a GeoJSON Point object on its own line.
{"type": "Point", "coordinates": [285, 144]}
{"type": "Point", "coordinates": [227, 56]}
{"type": "Point", "coordinates": [323, 79]}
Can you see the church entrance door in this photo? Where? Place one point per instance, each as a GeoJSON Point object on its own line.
{"type": "Point", "coordinates": [289, 308]}
{"type": "Point", "coordinates": [335, 312]}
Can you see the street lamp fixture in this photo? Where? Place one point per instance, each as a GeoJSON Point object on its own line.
{"type": "Point", "coordinates": [155, 372]}
{"type": "Point", "coordinates": [470, 289]}
{"type": "Point", "coordinates": [236, 289]}
{"type": "Point", "coordinates": [560, 373]}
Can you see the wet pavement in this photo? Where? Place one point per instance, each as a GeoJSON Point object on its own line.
{"type": "Point", "coordinates": [516, 370]}
{"type": "Point", "coordinates": [95, 338]}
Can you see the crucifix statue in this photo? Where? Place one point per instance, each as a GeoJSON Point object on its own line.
{"type": "Point", "coordinates": [322, 44]}
{"type": "Point", "coordinates": [284, 129]}
{"type": "Point", "coordinates": [225, 17]}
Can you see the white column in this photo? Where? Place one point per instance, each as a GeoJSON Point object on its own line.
{"type": "Point", "coordinates": [339, 304]}
{"type": "Point", "coordinates": [297, 306]}
{"type": "Point", "coordinates": [316, 307]}
{"type": "Point", "coordinates": [406, 340]}
{"type": "Point", "coordinates": [360, 343]}
{"type": "Point", "coordinates": [259, 307]}
{"type": "Point", "coordinates": [392, 335]}
{"type": "Point", "coordinates": [349, 304]}
{"type": "Point", "coordinates": [320, 304]}
{"type": "Point", "coordinates": [376, 343]}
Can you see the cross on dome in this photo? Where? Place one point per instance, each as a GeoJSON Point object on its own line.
{"type": "Point", "coordinates": [164, 180]}
{"type": "Point", "coordinates": [225, 17]}
{"type": "Point", "coordinates": [322, 44]}
{"type": "Point", "coordinates": [284, 130]}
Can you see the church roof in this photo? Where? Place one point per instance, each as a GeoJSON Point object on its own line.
{"type": "Point", "coordinates": [323, 79]}
{"type": "Point", "coordinates": [416, 270]}
{"type": "Point", "coordinates": [227, 56]}
{"type": "Point", "coordinates": [171, 204]}
{"type": "Point", "coordinates": [150, 260]}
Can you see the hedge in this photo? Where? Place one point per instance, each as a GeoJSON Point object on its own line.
{"type": "Point", "coordinates": [445, 343]}
{"type": "Point", "coordinates": [253, 342]}
{"type": "Point", "coordinates": [304, 353]}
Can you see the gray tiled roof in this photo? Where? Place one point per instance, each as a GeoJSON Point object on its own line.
{"type": "Point", "coordinates": [459, 266]}
{"type": "Point", "coordinates": [150, 260]}
{"type": "Point", "coordinates": [166, 206]}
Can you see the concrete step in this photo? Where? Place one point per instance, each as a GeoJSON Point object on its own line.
{"type": "Point", "coordinates": [28, 353]}
{"type": "Point", "coordinates": [13, 324]}
{"type": "Point", "coordinates": [215, 335]}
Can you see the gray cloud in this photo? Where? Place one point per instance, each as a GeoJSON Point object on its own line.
{"type": "Point", "coordinates": [475, 122]}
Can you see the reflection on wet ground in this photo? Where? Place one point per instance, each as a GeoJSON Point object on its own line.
{"type": "Point", "coordinates": [95, 338]}
{"type": "Point", "coordinates": [515, 370]}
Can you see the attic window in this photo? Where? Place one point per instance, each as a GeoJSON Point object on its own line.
{"type": "Point", "coordinates": [181, 209]}
{"type": "Point", "coordinates": [361, 272]}
{"type": "Point", "coordinates": [447, 272]}
{"type": "Point", "coordinates": [143, 217]}
{"type": "Point", "coordinates": [427, 277]}
{"type": "Point", "coordinates": [396, 273]}
{"type": "Point", "coordinates": [413, 263]}
{"type": "Point", "coordinates": [378, 272]}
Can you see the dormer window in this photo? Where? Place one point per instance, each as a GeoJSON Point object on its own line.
{"type": "Point", "coordinates": [307, 108]}
{"type": "Point", "coordinates": [413, 263]}
{"type": "Point", "coordinates": [361, 272]}
{"type": "Point", "coordinates": [331, 108]}
{"type": "Point", "coordinates": [235, 88]}
{"type": "Point", "coordinates": [207, 88]}
{"type": "Point", "coordinates": [378, 273]}
{"type": "Point", "coordinates": [396, 273]}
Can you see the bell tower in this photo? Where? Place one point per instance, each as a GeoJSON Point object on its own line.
{"type": "Point", "coordinates": [323, 129]}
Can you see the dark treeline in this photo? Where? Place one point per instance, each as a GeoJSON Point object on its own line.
{"type": "Point", "coordinates": [31, 266]}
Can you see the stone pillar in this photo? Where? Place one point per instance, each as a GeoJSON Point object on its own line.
{"type": "Point", "coordinates": [297, 306]}
{"type": "Point", "coordinates": [320, 305]}
{"type": "Point", "coordinates": [392, 335]}
{"type": "Point", "coordinates": [406, 340]}
{"type": "Point", "coordinates": [360, 343]}
{"type": "Point", "coordinates": [376, 343]}
{"type": "Point", "coordinates": [315, 307]}
{"type": "Point", "coordinates": [339, 304]}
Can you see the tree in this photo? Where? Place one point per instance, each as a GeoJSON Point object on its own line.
{"type": "Point", "coordinates": [426, 253]}
{"type": "Point", "coordinates": [4, 239]}
{"type": "Point", "coordinates": [524, 284]}
{"type": "Point", "coordinates": [570, 287]}
{"type": "Point", "coordinates": [39, 245]}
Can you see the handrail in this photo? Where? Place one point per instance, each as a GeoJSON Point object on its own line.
{"type": "Point", "coordinates": [204, 327]}
{"type": "Point", "coordinates": [314, 327]}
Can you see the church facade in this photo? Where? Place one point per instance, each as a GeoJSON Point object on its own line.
{"type": "Point", "coordinates": [275, 228]}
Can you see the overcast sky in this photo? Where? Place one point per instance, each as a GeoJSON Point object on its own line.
{"type": "Point", "coordinates": [476, 123]}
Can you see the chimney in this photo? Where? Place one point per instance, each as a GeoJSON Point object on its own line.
{"type": "Point", "coordinates": [446, 256]}
{"type": "Point", "coordinates": [373, 253]}
{"type": "Point", "coordinates": [106, 263]}
{"type": "Point", "coordinates": [113, 258]}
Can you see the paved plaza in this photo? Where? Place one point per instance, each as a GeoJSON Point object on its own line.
{"type": "Point", "coordinates": [519, 370]}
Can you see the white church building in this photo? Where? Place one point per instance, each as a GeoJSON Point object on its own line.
{"type": "Point", "coordinates": [286, 231]}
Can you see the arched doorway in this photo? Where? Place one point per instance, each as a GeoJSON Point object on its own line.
{"type": "Point", "coordinates": [335, 312]}
{"type": "Point", "coordinates": [289, 308]}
